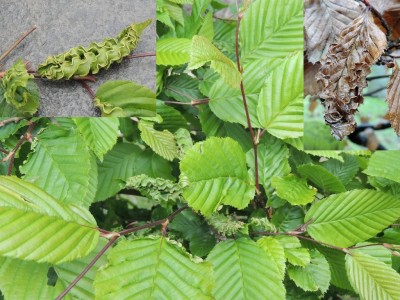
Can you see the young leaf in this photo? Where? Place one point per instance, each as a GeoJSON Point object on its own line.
{"type": "Point", "coordinates": [204, 51]}
{"type": "Point", "coordinates": [213, 173]}
{"type": "Point", "coordinates": [323, 22]}
{"type": "Point", "coordinates": [294, 252]}
{"type": "Point", "coordinates": [60, 165]}
{"type": "Point", "coordinates": [344, 70]}
{"type": "Point", "coordinates": [384, 164]}
{"type": "Point", "coordinates": [235, 275]}
{"type": "Point", "coordinates": [371, 278]}
{"type": "Point", "coordinates": [161, 142]}
{"type": "Point", "coordinates": [294, 189]}
{"type": "Point", "coordinates": [173, 51]}
{"type": "Point", "coordinates": [100, 134]}
{"type": "Point", "coordinates": [276, 253]}
{"type": "Point", "coordinates": [280, 104]}
{"type": "Point", "coordinates": [313, 277]}
{"type": "Point", "coordinates": [153, 268]}
{"type": "Point", "coordinates": [35, 226]}
{"type": "Point", "coordinates": [123, 98]}
{"type": "Point", "coordinates": [322, 178]}
{"type": "Point", "coordinates": [351, 217]}
{"type": "Point", "coordinates": [393, 99]}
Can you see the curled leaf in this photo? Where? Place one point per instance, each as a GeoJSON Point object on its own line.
{"type": "Point", "coordinates": [393, 99]}
{"type": "Point", "coordinates": [81, 61]}
{"type": "Point", "coordinates": [344, 70]}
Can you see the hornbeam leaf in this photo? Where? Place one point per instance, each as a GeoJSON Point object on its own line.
{"type": "Point", "coordinates": [294, 252]}
{"type": "Point", "coordinates": [173, 51]}
{"type": "Point", "coordinates": [275, 251]}
{"type": "Point", "coordinates": [204, 51]}
{"type": "Point", "coordinates": [153, 268]}
{"type": "Point", "coordinates": [351, 217]}
{"type": "Point", "coordinates": [161, 142]}
{"type": "Point", "coordinates": [280, 104]}
{"type": "Point", "coordinates": [294, 189]}
{"type": "Point", "coordinates": [372, 278]}
{"type": "Point", "coordinates": [100, 134]}
{"type": "Point", "coordinates": [322, 178]}
{"type": "Point", "coordinates": [393, 99]}
{"type": "Point", "coordinates": [236, 275]}
{"type": "Point", "coordinates": [21, 279]}
{"type": "Point", "coordinates": [384, 164]}
{"type": "Point", "coordinates": [213, 173]}
{"type": "Point", "coordinates": [35, 226]}
{"type": "Point", "coordinates": [60, 164]}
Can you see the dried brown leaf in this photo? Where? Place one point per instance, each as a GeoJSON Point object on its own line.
{"type": "Point", "coordinates": [393, 99]}
{"type": "Point", "coordinates": [323, 21]}
{"type": "Point", "coordinates": [390, 10]}
{"type": "Point", "coordinates": [311, 87]}
{"type": "Point", "coordinates": [344, 70]}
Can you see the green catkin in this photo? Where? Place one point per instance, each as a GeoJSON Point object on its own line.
{"type": "Point", "coordinates": [81, 61]}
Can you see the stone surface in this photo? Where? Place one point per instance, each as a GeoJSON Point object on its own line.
{"type": "Point", "coordinates": [64, 24]}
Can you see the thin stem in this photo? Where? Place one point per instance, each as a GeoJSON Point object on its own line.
{"type": "Point", "coordinates": [377, 77]}
{"type": "Point", "coordinates": [87, 87]}
{"type": "Point", "coordinates": [17, 42]}
{"type": "Point", "coordinates": [363, 246]}
{"type": "Point", "coordinates": [246, 108]}
{"type": "Point", "coordinates": [375, 91]}
{"type": "Point", "coordinates": [380, 17]}
{"type": "Point", "coordinates": [180, 93]}
{"type": "Point", "coordinates": [192, 103]}
{"type": "Point", "coordinates": [10, 120]}
{"type": "Point", "coordinates": [87, 268]}
{"type": "Point", "coordinates": [4, 151]}
{"type": "Point", "coordinates": [140, 55]}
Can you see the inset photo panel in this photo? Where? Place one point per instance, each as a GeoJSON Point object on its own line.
{"type": "Point", "coordinates": [77, 58]}
{"type": "Point", "coordinates": [352, 79]}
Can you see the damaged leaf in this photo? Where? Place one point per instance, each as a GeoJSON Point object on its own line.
{"type": "Point", "coordinates": [344, 70]}
{"type": "Point", "coordinates": [393, 99]}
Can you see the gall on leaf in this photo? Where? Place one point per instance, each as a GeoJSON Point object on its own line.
{"type": "Point", "coordinates": [343, 72]}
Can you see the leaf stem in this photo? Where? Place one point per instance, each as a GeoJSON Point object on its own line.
{"type": "Point", "coordinates": [24, 35]}
{"type": "Point", "coordinates": [246, 108]}
{"type": "Point", "coordinates": [146, 54]}
{"type": "Point", "coordinates": [10, 120]}
{"type": "Point", "coordinates": [87, 87]}
{"type": "Point", "coordinates": [377, 77]}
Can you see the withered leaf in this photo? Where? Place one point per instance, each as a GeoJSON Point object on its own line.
{"type": "Point", "coordinates": [390, 10]}
{"type": "Point", "coordinates": [311, 87]}
{"type": "Point", "coordinates": [343, 72]}
{"type": "Point", "coordinates": [323, 21]}
{"type": "Point", "coordinates": [393, 99]}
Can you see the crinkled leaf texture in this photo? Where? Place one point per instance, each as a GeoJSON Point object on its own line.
{"type": "Point", "coordinates": [351, 217]}
{"type": "Point", "coordinates": [35, 226]}
{"type": "Point", "coordinates": [371, 278]}
{"type": "Point", "coordinates": [100, 134]}
{"type": "Point", "coordinates": [213, 173]}
{"type": "Point", "coordinates": [153, 268]}
{"type": "Point", "coordinates": [124, 98]}
{"type": "Point", "coordinates": [243, 270]}
{"type": "Point", "coordinates": [393, 99]}
{"type": "Point", "coordinates": [344, 70]}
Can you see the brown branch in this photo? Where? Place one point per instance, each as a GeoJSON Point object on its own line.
{"type": "Point", "coordinates": [87, 87]}
{"type": "Point", "coordinates": [380, 17]}
{"type": "Point", "coordinates": [246, 108]}
{"type": "Point", "coordinates": [140, 55]}
{"type": "Point", "coordinates": [375, 91]}
{"type": "Point", "coordinates": [10, 120]}
{"type": "Point", "coordinates": [17, 42]}
{"type": "Point", "coordinates": [377, 77]}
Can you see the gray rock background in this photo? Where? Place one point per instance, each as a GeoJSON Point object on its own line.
{"type": "Point", "coordinates": [64, 24]}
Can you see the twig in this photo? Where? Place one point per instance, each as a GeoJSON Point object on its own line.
{"type": "Point", "coordinates": [4, 151]}
{"type": "Point", "coordinates": [10, 120]}
{"type": "Point", "coordinates": [380, 17]}
{"type": "Point", "coordinates": [87, 87]}
{"type": "Point", "coordinates": [140, 55]}
{"type": "Point", "coordinates": [375, 91]}
{"type": "Point", "coordinates": [377, 77]}
{"type": "Point", "coordinates": [87, 268]}
{"type": "Point", "coordinates": [246, 108]}
{"type": "Point", "coordinates": [114, 237]}
{"type": "Point", "coordinates": [17, 42]}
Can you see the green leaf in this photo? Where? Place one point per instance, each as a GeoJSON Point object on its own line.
{"type": "Point", "coordinates": [384, 164]}
{"type": "Point", "coordinates": [182, 88]}
{"type": "Point", "coordinates": [67, 272]}
{"type": "Point", "coordinates": [172, 118]}
{"type": "Point", "coordinates": [264, 36]}
{"type": "Point", "coordinates": [294, 252]}
{"type": "Point", "coordinates": [345, 170]}
{"type": "Point", "coordinates": [207, 29]}
{"type": "Point", "coordinates": [161, 142]}
{"type": "Point", "coordinates": [60, 165]}
{"type": "Point", "coordinates": [280, 104]}
{"type": "Point", "coordinates": [294, 189]}
{"type": "Point", "coordinates": [203, 51]}
{"type": "Point", "coordinates": [275, 252]}
{"type": "Point", "coordinates": [100, 134]}
{"type": "Point", "coordinates": [313, 277]}
{"type": "Point", "coordinates": [153, 268]}
{"type": "Point", "coordinates": [288, 218]}
{"type": "Point", "coordinates": [173, 51]}
{"type": "Point", "coordinates": [124, 161]}
{"type": "Point", "coordinates": [371, 278]}
{"type": "Point", "coordinates": [21, 279]}
{"type": "Point", "coordinates": [213, 173]}
{"type": "Point", "coordinates": [348, 218]}
{"type": "Point", "coordinates": [273, 161]}
{"type": "Point", "coordinates": [326, 153]}
{"type": "Point", "coordinates": [325, 181]}
{"type": "Point", "coordinates": [124, 98]}
{"type": "Point", "coordinates": [236, 275]}
{"type": "Point", "coordinates": [35, 226]}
